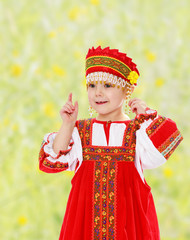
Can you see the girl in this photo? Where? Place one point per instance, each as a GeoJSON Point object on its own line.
{"type": "Point", "coordinates": [110, 198]}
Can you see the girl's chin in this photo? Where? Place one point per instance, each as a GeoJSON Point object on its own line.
{"type": "Point", "coordinates": [101, 113]}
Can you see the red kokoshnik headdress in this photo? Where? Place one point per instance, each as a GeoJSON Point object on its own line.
{"type": "Point", "coordinates": [111, 64]}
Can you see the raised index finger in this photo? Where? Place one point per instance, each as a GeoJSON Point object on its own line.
{"type": "Point", "coordinates": [70, 97]}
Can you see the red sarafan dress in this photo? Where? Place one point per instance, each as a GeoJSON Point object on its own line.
{"type": "Point", "coordinates": [110, 198]}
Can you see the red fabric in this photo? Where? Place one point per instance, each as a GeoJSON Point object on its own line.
{"type": "Point", "coordinates": [164, 135]}
{"type": "Point", "coordinates": [112, 53]}
{"type": "Point", "coordinates": [163, 132]}
{"type": "Point", "coordinates": [135, 216]}
{"type": "Point", "coordinates": [128, 200]}
{"type": "Point", "coordinates": [77, 222]}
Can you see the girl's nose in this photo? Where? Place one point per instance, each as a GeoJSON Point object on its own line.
{"type": "Point", "coordinates": [98, 90]}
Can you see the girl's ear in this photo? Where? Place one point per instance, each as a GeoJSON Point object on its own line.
{"type": "Point", "coordinates": [132, 89]}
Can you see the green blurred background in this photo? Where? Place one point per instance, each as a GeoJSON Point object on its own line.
{"type": "Point", "coordinates": [42, 48]}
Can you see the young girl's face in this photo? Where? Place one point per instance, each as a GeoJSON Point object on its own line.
{"type": "Point", "coordinates": [106, 99]}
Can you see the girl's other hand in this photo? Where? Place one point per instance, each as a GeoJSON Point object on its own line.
{"type": "Point", "coordinates": [69, 112]}
{"type": "Point", "coordinates": [137, 106]}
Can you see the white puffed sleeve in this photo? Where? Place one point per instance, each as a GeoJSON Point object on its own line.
{"type": "Point", "coordinates": [69, 159]}
{"type": "Point", "coordinates": [147, 155]}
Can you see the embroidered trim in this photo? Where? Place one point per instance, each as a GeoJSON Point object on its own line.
{"type": "Point", "coordinates": [94, 154]}
{"type": "Point", "coordinates": [48, 164]}
{"type": "Point", "coordinates": [168, 147]}
{"type": "Point", "coordinates": [128, 144]}
{"type": "Point", "coordinates": [80, 126]}
{"type": "Point", "coordinates": [57, 165]}
{"type": "Point", "coordinates": [153, 128]}
{"type": "Point", "coordinates": [143, 117]}
{"type": "Point", "coordinates": [104, 214]}
{"type": "Point", "coordinates": [110, 62]}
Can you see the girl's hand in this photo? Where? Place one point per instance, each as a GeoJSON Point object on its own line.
{"type": "Point", "coordinates": [69, 112]}
{"type": "Point", "coordinates": [137, 106]}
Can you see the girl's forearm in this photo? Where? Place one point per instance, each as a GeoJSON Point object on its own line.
{"type": "Point", "coordinates": [63, 137]}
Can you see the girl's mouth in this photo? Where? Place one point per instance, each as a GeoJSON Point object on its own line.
{"type": "Point", "coordinates": [101, 102]}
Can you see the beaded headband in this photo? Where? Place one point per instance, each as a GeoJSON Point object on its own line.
{"type": "Point", "coordinates": [112, 65]}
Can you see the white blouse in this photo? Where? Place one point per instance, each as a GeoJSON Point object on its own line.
{"type": "Point", "coordinates": [147, 156]}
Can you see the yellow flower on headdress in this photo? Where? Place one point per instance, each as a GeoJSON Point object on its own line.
{"type": "Point", "coordinates": [133, 76]}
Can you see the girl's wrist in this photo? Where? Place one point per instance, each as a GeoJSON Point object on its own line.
{"type": "Point", "coordinates": [66, 128]}
{"type": "Point", "coordinates": [68, 124]}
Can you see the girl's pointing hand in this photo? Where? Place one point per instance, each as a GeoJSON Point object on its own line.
{"type": "Point", "coordinates": [69, 112]}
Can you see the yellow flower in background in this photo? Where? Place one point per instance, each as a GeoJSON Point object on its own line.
{"type": "Point", "coordinates": [151, 57]}
{"type": "Point", "coordinates": [49, 110]}
{"type": "Point", "coordinates": [168, 172]}
{"type": "Point", "coordinates": [58, 70]}
{"type": "Point", "coordinates": [95, 2]}
{"type": "Point", "coordinates": [74, 13]}
{"type": "Point", "coordinates": [159, 82]}
{"type": "Point", "coordinates": [22, 220]}
{"type": "Point", "coordinates": [6, 121]}
{"type": "Point", "coordinates": [16, 70]}
{"type": "Point", "coordinates": [52, 34]}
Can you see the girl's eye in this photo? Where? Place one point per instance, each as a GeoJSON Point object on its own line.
{"type": "Point", "coordinates": [107, 85]}
{"type": "Point", "coordinates": [91, 85]}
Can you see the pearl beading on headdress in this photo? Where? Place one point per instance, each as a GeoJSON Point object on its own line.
{"type": "Point", "coordinates": [104, 76]}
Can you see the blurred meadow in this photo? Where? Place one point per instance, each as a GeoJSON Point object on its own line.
{"type": "Point", "coordinates": [42, 48]}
